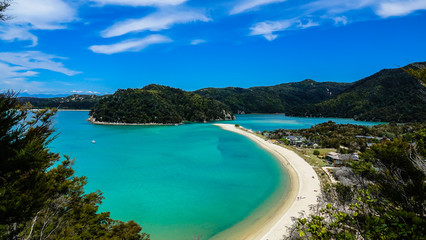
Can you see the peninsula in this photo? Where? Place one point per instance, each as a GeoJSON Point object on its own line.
{"type": "Point", "coordinates": [158, 105]}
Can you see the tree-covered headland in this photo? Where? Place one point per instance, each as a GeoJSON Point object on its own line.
{"type": "Point", "coordinates": [158, 104]}
{"type": "Point", "coordinates": [40, 197]}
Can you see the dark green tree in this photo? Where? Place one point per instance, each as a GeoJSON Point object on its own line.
{"type": "Point", "coordinates": [41, 198]}
{"type": "Point", "coordinates": [4, 4]}
{"type": "Point", "coordinates": [385, 201]}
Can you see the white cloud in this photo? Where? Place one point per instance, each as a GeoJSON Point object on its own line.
{"type": "Point", "coordinates": [382, 8]}
{"type": "Point", "coordinates": [340, 20]}
{"type": "Point", "coordinates": [268, 28]}
{"type": "Point", "coordinates": [8, 71]}
{"type": "Point", "coordinates": [27, 15]}
{"type": "Point", "coordinates": [157, 21]}
{"type": "Point", "coordinates": [18, 67]}
{"type": "Point", "coordinates": [140, 3]}
{"type": "Point", "coordinates": [246, 5]}
{"type": "Point", "coordinates": [13, 33]}
{"type": "Point", "coordinates": [400, 8]}
{"type": "Point", "coordinates": [84, 92]}
{"type": "Point", "coordinates": [132, 45]}
{"type": "Point", "coordinates": [197, 41]}
{"type": "Point", "coordinates": [30, 60]}
{"type": "Point", "coordinates": [41, 14]}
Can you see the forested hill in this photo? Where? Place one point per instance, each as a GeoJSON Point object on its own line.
{"type": "Point", "coordinates": [74, 101]}
{"type": "Point", "coordinates": [158, 104]}
{"type": "Point", "coordinates": [275, 99]}
{"type": "Point", "coordinates": [389, 95]}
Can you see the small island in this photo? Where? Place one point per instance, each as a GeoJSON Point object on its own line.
{"type": "Point", "coordinates": [157, 105]}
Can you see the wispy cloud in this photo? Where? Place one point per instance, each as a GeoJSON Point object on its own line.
{"type": "Point", "coordinates": [382, 8]}
{"type": "Point", "coordinates": [140, 3]}
{"type": "Point", "coordinates": [27, 15]}
{"type": "Point", "coordinates": [332, 11]}
{"type": "Point", "coordinates": [340, 20]}
{"type": "Point", "coordinates": [246, 5]}
{"type": "Point", "coordinates": [42, 14]}
{"type": "Point", "coordinates": [197, 41]}
{"type": "Point", "coordinates": [36, 60]}
{"type": "Point", "coordinates": [157, 21]}
{"type": "Point", "coordinates": [18, 67]}
{"type": "Point", "coordinates": [132, 45]}
{"type": "Point", "coordinates": [17, 33]}
{"type": "Point", "coordinates": [400, 8]}
{"type": "Point", "coordinates": [268, 28]}
{"type": "Point", "coordinates": [84, 92]}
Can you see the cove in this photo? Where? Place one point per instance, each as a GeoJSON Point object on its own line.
{"type": "Point", "coordinates": [177, 182]}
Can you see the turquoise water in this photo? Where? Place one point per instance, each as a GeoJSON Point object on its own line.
{"type": "Point", "coordinates": [260, 122]}
{"type": "Point", "coordinates": [183, 181]}
{"type": "Point", "coordinates": [177, 182]}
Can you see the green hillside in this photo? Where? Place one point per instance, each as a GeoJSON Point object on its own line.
{"type": "Point", "coordinates": [389, 95]}
{"type": "Point", "coordinates": [274, 99]}
{"type": "Point", "coordinates": [74, 101]}
{"type": "Point", "coordinates": [158, 104]}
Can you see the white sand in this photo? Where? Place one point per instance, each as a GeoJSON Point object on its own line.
{"type": "Point", "coordinates": [303, 186]}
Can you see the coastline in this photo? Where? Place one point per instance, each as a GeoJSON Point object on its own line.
{"type": "Point", "coordinates": [274, 225]}
{"type": "Point", "coordinates": [93, 121]}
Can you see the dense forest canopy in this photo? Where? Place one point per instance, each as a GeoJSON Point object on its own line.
{"type": "Point", "coordinates": [158, 104]}
{"type": "Point", "coordinates": [389, 95]}
{"type": "Point", "coordinates": [274, 99]}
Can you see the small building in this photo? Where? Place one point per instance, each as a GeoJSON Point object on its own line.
{"type": "Point", "coordinates": [297, 140]}
{"type": "Point", "coordinates": [337, 159]}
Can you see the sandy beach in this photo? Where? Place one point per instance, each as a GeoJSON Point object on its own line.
{"type": "Point", "coordinates": [304, 190]}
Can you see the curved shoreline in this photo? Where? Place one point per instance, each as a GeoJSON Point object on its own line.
{"type": "Point", "coordinates": [274, 225]}
{"type": "Point", "coordinates": [93, 121]}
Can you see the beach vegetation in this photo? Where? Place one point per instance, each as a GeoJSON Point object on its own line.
{"type": "Point", "coordinates": [40, 197]}
{"type": "Point", "coordinates": [350, 138]}
{"type": "Point", "coordinates": [379, 197]}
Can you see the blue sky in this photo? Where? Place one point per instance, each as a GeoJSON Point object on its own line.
{"type": "Point", "coordinates": [98, 46]}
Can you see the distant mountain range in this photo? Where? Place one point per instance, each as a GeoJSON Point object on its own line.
{"type": "Point", "coordinates": [389, 95]}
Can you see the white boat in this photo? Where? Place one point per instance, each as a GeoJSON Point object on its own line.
{"type": "Point", "coordinates": [93, 141]}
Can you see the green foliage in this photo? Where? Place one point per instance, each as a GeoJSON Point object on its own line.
{"type": "Point", "coordinates": [389, 95]}
{"type": "Point", "coordinates": [417, 71]}
{"type": "Point", "coordinates": [74, 101]}
{"type": "Point", "coordinates": [4, 4]}
{"type": "Point", "coordinates": [332, 135]}
{"type": "Point", "coordinates": [237, 125]}
{"type": "Point", "coordinates": [39, 197]}
{"type": "Point", "coordinates": [274, 99]}
{"type": "Point", "coordinates": [316, 152]}
{"type": "Point", "coordinates": [285, 141]}
{"type": "Point", "coordinates": [158, 104]}
{"type": "Point", "coordinates": [386, 201]}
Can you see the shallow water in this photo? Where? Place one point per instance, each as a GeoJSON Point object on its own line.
{"type": "Point", "coordinates": [260, 122]}
{"type": "Point", "coordinates": [183, 181]}
{"type": "Point", "coordinates": [177, 182]}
